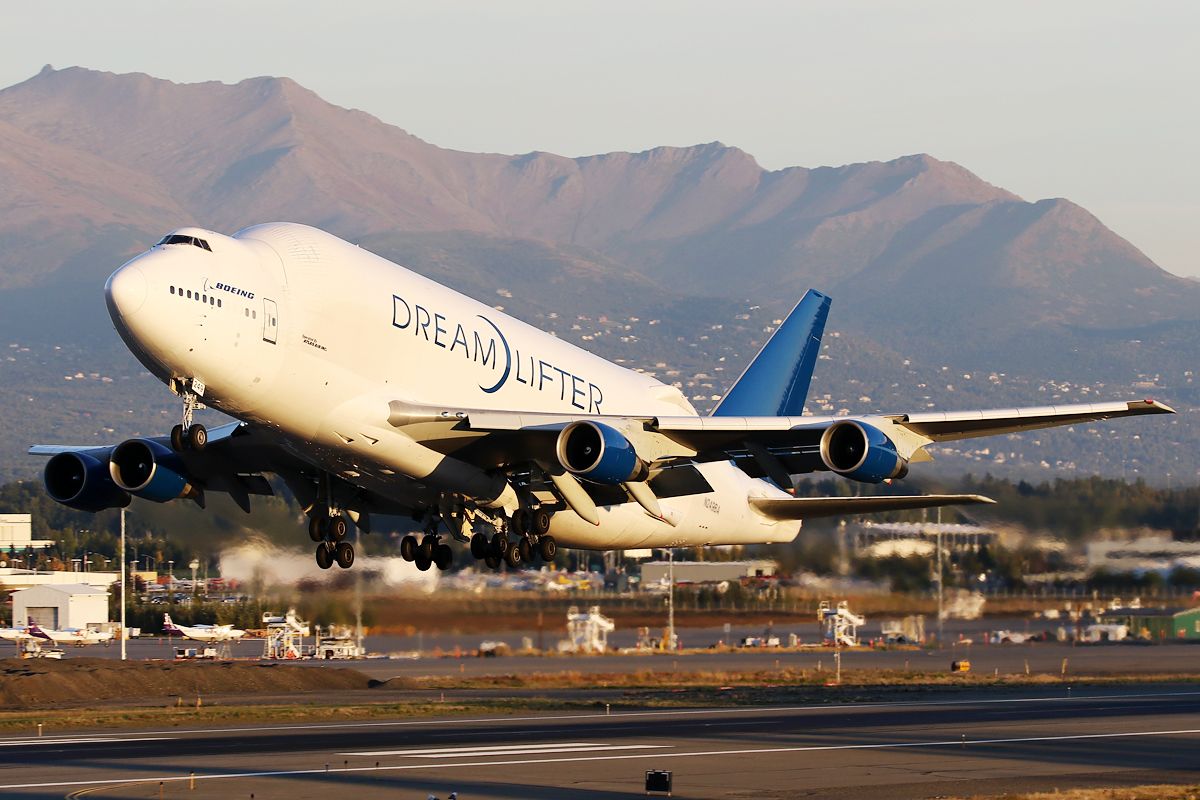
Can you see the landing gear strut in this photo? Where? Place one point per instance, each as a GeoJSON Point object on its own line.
{"type": "Point", "coordinates": [187, 436]}
{"type": "Point", "coordinates": [529, 531]}
{"type": "Point", "coordinates": [429, 551]}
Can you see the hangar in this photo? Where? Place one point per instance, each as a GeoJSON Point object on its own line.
{"type": "Point", "coordinates": [72, 605]}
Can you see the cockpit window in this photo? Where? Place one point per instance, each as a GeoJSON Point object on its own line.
{"type": "Point", "coordinates": [177, 238]}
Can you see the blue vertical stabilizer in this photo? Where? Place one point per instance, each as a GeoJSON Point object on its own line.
{"type": "Point", "coordinates": [776, 382]}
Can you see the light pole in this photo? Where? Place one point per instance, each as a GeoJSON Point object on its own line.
{"type": "Point", "coordinates": [671, 600]}
{"type": "Point", "coordinates": [121, 558]}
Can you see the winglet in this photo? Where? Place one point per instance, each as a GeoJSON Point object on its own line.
{"type": "Point", "coordinates": [776, 382]}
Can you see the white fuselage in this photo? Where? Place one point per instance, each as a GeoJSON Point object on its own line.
{"type": "Point", "coordinates": [294, 329]}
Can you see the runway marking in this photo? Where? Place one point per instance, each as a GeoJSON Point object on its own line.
{"type": "Point", "coordinates": [42, 741]}
{"type": "Point", "coordinates": [952, 743]}
{"type": "Point", "coordinates": [507, 750]}
{"type": "Point", "coordinates": [1078, 698]}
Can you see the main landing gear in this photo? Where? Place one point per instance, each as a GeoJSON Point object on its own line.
{"type": "Point", "coordinates": [430, 551]}
{"type": "Point", "coordinates": [329, 532]}
{"type": "Point", "coordinates": [526, 538]}
{"type": "Point", "coordinates": [187, 436]}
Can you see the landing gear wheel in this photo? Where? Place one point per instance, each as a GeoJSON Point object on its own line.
{"type": "Point", "coordinates": [519, 525]}
{"type": "Point", "coordinates": [479, 545]}
{"type": "Point", "coordinates": [324, 555]}
{"type": "Point", "coordinates": [443, 557]}
{"type": "Point", "coordinates": [422, 562]}
{"type": "Point", "coordinates": [499, 544]}
{"type": "Point", "coordinates": [408, 547]}
{"type": "Point", "coordinates": [177, 440]}
{"type": "Point", "coordinates": [314, 529]}
{"type": "Point", "coordinates": [547, 547]}
{"type": "Point", "coordinates": [343, 553]}
{"type": "Point", "coordinates": [539, 522]}
{"type": "Point", "coordinates": [197, 437]}
{"type": "Point", "coordinates": [336, 528]}
{"type": "Point", "coordinates": [426, 549]}
{"type": "Point", "coordinates": [492, 561]}
{"type": "Point", "coordinates": [526, 550]}
{"type": "Point", "coordinates": [513, 555]}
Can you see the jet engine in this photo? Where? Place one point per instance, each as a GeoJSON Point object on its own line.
{"type": "Point", "coordinates": [599, 453]}
{"type": "Point", "coordinates": [150, 470]}
{"type": "Point", "coordinates": [80, 480]}
{"type": "Point", "coordinates": [861, 452]}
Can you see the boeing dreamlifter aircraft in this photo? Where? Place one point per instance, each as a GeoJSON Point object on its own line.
{"type": "Point", "coordinates": [369, 389]}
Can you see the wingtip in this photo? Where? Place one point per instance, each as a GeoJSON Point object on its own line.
{"type": "Point", "coordinates": [1151, 405]}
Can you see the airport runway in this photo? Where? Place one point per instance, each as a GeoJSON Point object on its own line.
{"type": "Point", "coordinates": [943, 744]}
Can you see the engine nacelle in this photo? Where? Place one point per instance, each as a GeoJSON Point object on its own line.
{"type": "Point", "coordinates": [81, 481]}
{"type": "Point", "coordinates": [599, 453]}
{"type": "Point", "coordinates": [150, 470]}
{"type": "Point", "coordinates": [861, 452]}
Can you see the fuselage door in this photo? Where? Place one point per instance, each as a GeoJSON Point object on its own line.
{"type": "Point", "coordinates": [270, 321]}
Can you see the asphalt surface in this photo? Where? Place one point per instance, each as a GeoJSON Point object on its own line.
{"type": "Point", "coordinates": [437, 654]}
{"type": "Point", "coordinates": [943, 744]}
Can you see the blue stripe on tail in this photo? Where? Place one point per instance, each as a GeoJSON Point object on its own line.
{"type": "Point", "coordinates": [776, 382]}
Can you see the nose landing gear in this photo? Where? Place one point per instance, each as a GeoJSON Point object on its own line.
{"type": "Point", "coordinates": [187, 436]}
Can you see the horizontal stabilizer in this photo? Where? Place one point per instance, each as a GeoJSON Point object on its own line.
{"type": "Point", "coordinates": [810, 507]}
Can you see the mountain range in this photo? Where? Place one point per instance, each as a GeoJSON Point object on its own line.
{"type": "Point", "coordinates": [933, 270]}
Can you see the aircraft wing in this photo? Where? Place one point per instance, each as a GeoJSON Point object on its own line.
{"type": "Point", "coordinates": [795, 441]}
{"type": "Point", "coordinates": [233, 461]}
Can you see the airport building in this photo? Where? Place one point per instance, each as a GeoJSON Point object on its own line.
{"type": "Point", "coordinates": [1158, 624]}
{"type": "Point", "coordinates": [1146, 554]}
{"type": "Point", "coordinates": [13, 579]}
{"type": "Point", "coordinates": [884, 539]}
{"type": "Point", "coordinates": [60, 607]}
{"type": "Point", "coordinates": [16, 534]}
{"type": "Point", "coordinates": [656, 572]}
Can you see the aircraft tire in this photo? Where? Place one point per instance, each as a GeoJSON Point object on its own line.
{"type": "Point", "coordinates": [547, 547]}
{"type": "Point", "coordinates": [426, 549]}
{"type": "Point", "coordinates": [408, 547]}
{"type": "Point", "coordinates": [324, 555]}
{"type": "Point", "coordinates": [337, 528]}
{"type": "Point", "coordinates": [422, 562]}
{"type": "Point", "coordinates": [314, 529]}
{"type": "Point", "coordinates": [540, 522]}
{"type": "Point", "coordinates": [500, 544]}
{"type": "Point", "coordinates": [512, 556]}
{"type": "Point", "coordinates": [443, 557]}
{"type": "Point", "coordinates": [197, 437]}
{"type": "Point", "coordinates": [178, 443]}
{"type": "Point", "coordinates": [493, 561]}
{"type": "Point", "coordinates": [344, 555]}
{"type": "Point", "coordinates": [527, 550]}
{"type": "Point", "coordinates": [518, 525]}
{"type": "Point", "coordinates": [479, 546]}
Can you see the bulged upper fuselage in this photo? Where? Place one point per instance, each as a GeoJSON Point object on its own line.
{"type": "Point", "coordinates": [292, 328]}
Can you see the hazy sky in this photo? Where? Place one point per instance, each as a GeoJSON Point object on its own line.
{"type": "Point", "coordinates": [1093, 101]}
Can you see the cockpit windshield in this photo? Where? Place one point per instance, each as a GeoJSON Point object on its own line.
{"type": "Point", "coordinates": [178, 238]}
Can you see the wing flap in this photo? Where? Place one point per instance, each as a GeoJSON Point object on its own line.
{"type": "Point", "coordinates": [812, 507]}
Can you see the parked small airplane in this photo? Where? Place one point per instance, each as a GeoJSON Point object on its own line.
{"type": "Point", "coordinates": [79, 637]}
{"type": "Point", "coordinates": [369, 389]}
{"type": "Point", "coordinates": [15, 634]}
{"type": "Point", "coordinates": [202, 633]}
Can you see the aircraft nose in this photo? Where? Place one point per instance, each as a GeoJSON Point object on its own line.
{"type": "Point", "coordinates": [125, 292]}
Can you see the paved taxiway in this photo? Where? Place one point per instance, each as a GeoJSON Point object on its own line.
{"type": "Point", "coordinates": [953, 743]}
